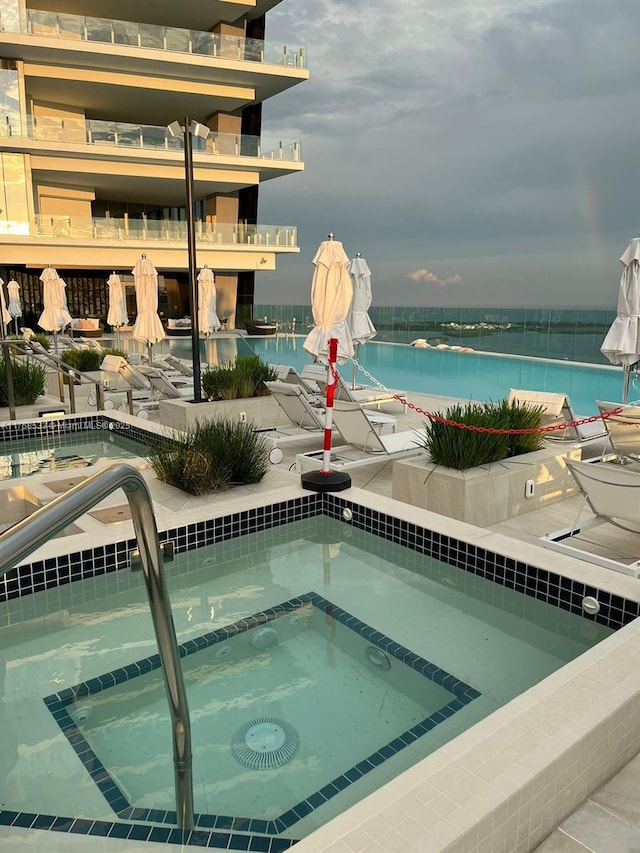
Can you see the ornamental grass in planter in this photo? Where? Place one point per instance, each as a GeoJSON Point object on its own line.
{"type": "Point", "coordinates": [238, 380]}
{"type": "Point", "coordinates": [211, 456]}
{"type": "Point", "coordinates": [28, 382]}
{"type": "Point", "coordinates": [454, 447]}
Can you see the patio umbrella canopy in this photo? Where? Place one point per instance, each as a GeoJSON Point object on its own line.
{"type": "Point", "coordinates": [55, 315]}
{"type": "Point", "coordinates": [207, 317]}
{"type": "Point", "coordinates": [360, 325]}
{"type": "Point", "coordinates": [622, 342]}
{"type": "Point", "coordinates": [148, 326]}
{"type": "Point", "coordinates": [331, 293]}
{"type": "Point", "coordinates": [14, 307]}
{"type": "Point", "coordinates": [6, 317]}
{"type": "Point", "coordinates": [117, 314]}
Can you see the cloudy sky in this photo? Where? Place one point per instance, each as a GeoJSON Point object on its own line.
{"type": "Point", "coordinates": [476, 152]}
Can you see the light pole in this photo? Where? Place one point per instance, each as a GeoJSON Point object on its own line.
{"type": "Point", "coordinates": [187, 130]}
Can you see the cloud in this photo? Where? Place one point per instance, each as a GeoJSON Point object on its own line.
{"type": "Point", "coordinates": [428, 276]}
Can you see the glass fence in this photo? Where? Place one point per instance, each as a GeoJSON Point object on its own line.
{"type": "Point", "coordinates": [566, 334]}
{"type": "Point", "coordinates": [161, 230]}
{"type": "Point", "coordinates": [151, 36]}
{"type": "Point", "coordinates": [125, 135]}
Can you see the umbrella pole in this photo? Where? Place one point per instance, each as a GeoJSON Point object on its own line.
{"type": "Point", "coordinates": [149, 352]}
{"type": "Point", "coordinates": [355, 367]}
{"type": "Point", "coordinates": [625, 383]}
{"type": "Point", "coordinates": [55, 341]}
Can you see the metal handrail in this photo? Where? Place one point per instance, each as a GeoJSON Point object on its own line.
{"type": "Point", "coordinates": [18, 542]}
{"type": "Point", "coordinates": [48, 360]}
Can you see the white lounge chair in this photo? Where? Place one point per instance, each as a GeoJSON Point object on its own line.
{"type": "Point", "coordinates": [364, 395]}
{"type": "Point", "coordinates": [365, 445]}
{"type": "Point", "coordinates": [287, 373]}
{"type": "Point", "coordinates": [306, 416]}
{"type": "Point", "coordinates": [179, 365]}
{"type": "Point", "coordinates": [613, 495]}
{"type": "Point", "coordinates": [623, 429]}
{"type": "Point", "coordinates": [558, 410]}
{"type": "Point", "coordinates": [167, 389]}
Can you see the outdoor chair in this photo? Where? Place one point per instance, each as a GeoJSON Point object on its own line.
{"type": "Point", "coordinates": [167, 389]}
{"type": "Point", "coordinates": [612, 492]}
{"type": "Point", "coordinates": [365, 445]}
{"type": "Point", "coordinates": [623, 429]}
{"type": "Point", "coordinates": [287, 373]}
{"type": "Point", "coordinates": [363, 395]}
{"type": "Point", "coordinates": [558, 410]}
{"type": "Point", "coordinates": [178, 365]}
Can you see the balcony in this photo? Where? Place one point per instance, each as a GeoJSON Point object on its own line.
{"type": "Point", "coordinates": [82, 28]}
{"type": "Point", "coordinates": [92, 132]}
{"type": "Point", "coordinates": [143, 231]}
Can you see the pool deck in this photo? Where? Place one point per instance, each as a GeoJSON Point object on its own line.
{"type": "Point", "coordinates": [609, 820]}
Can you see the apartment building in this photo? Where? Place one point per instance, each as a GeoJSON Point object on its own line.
{"type": "Point", "coordinates": [90, 175]}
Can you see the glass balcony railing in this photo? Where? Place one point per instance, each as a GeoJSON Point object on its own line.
{"type": "Point", "coordinates": [143, 230]}
{"type": "Point", "coordinates": [85, 28]}
{"type": "Point", "coordinates": [150, 137]}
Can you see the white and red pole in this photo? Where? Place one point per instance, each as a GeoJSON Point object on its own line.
{"type": "Point", "coordinates": [326, 480]}
{"type": "Point", "coordinates": [331, 390]}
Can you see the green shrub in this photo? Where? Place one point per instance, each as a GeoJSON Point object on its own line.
{"type": "Point", "coordinates": [82, 359]}
{"type": "Point", "coordinates": [42, 339]}
{"type": "Point", "coordinates": [211, 456]}
{"type": "Point", "coordinates": [28, 382]}
{"type": "Point", "coordinates": [113, 351]}
{"type": "Point", "coordinates": [237, 380]}
{"type": "Point", "coordinates": [455, 447]}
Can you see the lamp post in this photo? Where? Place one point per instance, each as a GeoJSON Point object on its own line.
{"type": "Point", "coordinates": [187, 130]}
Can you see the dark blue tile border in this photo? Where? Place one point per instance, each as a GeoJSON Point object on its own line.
{"type": "Point", "coordinates": [58, 703]}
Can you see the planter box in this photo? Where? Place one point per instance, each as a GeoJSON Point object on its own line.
{"type": "Point", "coordinates": [181, 414]}
{"type": "Point", "coordinates": [489, 494]}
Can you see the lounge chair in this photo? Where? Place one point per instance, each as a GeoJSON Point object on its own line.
{"type": "Point", "coordinates": [287, 373]}
{"type": "Point", "coordinates": [365, 445]}
{"type": "Point", "coordinates": [558, 410]}
{"type": "Point", "coordinates": [306, 416]}
{"type": "Point", "coordinates": [364, 395]}
{"type": "Point", "coordinates": [623, 429]}
{"type": "Point", "coordinates": [178, 365]}
{"type": "Point", "coordinates": [613, 495]}
{"type": "Point", "coordinates": [167, 389]}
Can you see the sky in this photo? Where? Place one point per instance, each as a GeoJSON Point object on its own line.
{"type": "Point", "coordinates": [475, 152]}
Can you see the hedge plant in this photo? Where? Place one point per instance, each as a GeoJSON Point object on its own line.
{"type": "Point", "coordinates": [211, 456]}
{"type": "Point", "coordinates": [455, 447]}
{"type": "Point", "coordinates": [28, 382]}
{"type": "Point", "coordinates": [238, 380]}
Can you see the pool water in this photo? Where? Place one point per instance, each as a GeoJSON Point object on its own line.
{"type": "Point", "coordinates": [47, 454]}
{"type": "Point", "coordinates": [459, 647]}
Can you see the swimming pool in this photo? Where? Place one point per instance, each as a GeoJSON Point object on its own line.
{"type": "Point", "coordinates": [520, 623]}
{"type": "Point", "coordinates": [448, 373]}
{"type": "Point", "coordinates": [56, 451]}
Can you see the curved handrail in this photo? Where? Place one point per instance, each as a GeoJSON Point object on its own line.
{"type": "Point", "coordinates": [18, 542]}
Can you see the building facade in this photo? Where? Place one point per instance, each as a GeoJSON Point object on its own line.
{"type": "Point", "coordinates": [91, 177]}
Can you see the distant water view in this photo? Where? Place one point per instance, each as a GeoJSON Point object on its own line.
{"type": "Point", "coordinates": [565, 334]}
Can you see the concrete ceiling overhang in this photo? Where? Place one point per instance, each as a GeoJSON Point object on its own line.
{"type": "Point", "coordinates": [191, 14]}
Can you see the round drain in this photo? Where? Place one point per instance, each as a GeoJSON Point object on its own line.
{"type": "Point", "coordinates": [265, 743]}
{"type": "Point", "coordinates": [264, 638]}
{"type": "Point", "coordinates": [377, 658]}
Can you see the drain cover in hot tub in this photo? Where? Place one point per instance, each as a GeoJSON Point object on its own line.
{"type": "Point", "coordinates": [265, 743]}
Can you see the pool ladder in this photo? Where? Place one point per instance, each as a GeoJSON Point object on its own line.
{"type": "Point", "coordinates": [24, 537]}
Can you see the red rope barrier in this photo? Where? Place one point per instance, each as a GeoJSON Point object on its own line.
{"type": "Point", "coordinates": [543, 429]}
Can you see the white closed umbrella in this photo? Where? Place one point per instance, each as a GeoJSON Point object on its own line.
{"type": "Point", "coordinates": [148, 326]}
{"type": "Point", "coordinates": [55, 315]}
{"type": "Point", "coordinates": [6, 317]}
{"type": "Point", "coordinates": [360, 325]}
{"type": "Point", "coordinates": [622, 342]}
{"type": "Point", "coordinates": [14, 307]}
{"type": "Point", "coordinates": [331, 293]}
{"type": "Point", "coordinates": [207, 302]}
{"type": "Point", "coordinates": [117, 315]}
